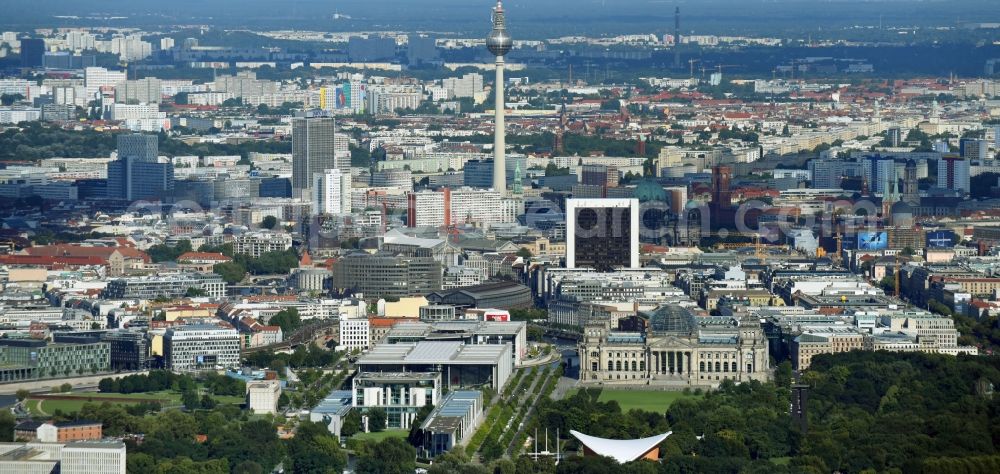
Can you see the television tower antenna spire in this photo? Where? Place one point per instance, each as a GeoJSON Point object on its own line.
{"type": "Point", "coordinates": [499, 44]}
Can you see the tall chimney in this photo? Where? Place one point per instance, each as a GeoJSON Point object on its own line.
{"type": "Point", "coordinates": [677, 38]}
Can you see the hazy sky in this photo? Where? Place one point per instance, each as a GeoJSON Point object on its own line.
{"type": "Point", "coordinates": [533, 18]}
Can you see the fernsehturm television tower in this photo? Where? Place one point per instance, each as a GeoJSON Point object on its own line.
{"type": "Point", "coordinates": [499, 43]}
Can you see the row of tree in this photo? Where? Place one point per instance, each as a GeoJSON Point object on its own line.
{"type": "Point", "coordinates": [874, 411]}
{"type": "Point", "coordinates": [36, 140]}
{"type": "Point", "coordinates": [269, 263]}
{"type": "Point", "coordinates": [154, 381]}
{"type": "Point", "coordinates": [163, 380]}
{"type": "Point", "coordinates": [235, 443]}
{"type": "Point", "coordinates": [302, 356]}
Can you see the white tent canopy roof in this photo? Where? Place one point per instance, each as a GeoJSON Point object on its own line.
{"type": "Point", "coordinates": [621, 450]}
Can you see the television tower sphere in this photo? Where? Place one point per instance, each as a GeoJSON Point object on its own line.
{"type": "Point", "coordinates": [499, 42]}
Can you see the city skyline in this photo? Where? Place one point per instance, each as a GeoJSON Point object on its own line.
{"type": "Point", "coordinates": [567, 236]}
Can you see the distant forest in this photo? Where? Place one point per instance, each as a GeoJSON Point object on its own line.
{"type": "Point", "coordinates": [527, 18]}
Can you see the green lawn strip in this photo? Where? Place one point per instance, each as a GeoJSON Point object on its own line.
{"type": "Point", "coordinates": [35, 407]}
{"type": "Point", "coordinates": [66, 406]}
{"type": "Point", "coordinates": [380, 435]}
{"type": "Point", "coordinates": [168, 398]}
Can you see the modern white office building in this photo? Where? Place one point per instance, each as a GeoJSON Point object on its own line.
{"type": "Point", "coordinates": [164, 286]}
{"type": "Point", "coordinates": [255, 244]}
{"type": "Point", "coordinates": [355, 334]}
{"type": "Point", "coordinates": [78, 457]}
{"type": "Point", "coordinates": [262, 396]}
{"type": "Point", "coordinates": [332, 192]}
{"type": "Point", "coordinates": [93, 457]}
{"type": "Point", "coordinates": [201, 347]}
{"type": "Point", "coordinates": [400, 394]}
{"type": "Point", "coordinates": [460, 364]}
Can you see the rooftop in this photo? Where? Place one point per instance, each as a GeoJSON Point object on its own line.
{"type": "Point", "coordinates": [398, 376]}
{"type": "Point", "coordinates": [486, 289]}
{"type": "Point", "coordinates": [621, 450]}
{"type": "Point", "coordinates": [338, 402]}
{"type": "Point", "coordinates": [435, 352]}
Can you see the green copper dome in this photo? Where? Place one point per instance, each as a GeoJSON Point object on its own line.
{"type": "Point", "coordinates": [649, 190]}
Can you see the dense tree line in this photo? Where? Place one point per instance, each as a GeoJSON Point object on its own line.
{"type": "Point", "coordinates": [287, 319]}
{"type": "Point", "coordinates": [161, 380]}
{"type": "Point", "coordinates": [876, 411]}
{"type": "Point", "coordinates": [223, 385]}
{"type": "Point", "coordinates": [7, 423]}
{"type": "Point", "coordinates": [225, 249]}
{"type": "Point", "coordinates": [155, 381]}
{"type": "Point", "coordinates": [867, 412]}
{"type": "Point", "coordinates": [269, 263]}
{"type": "Point", "coordinates": [302, 356]}
{"type": "Point", "coordinates": [36, 140]}
{"type": "Point", "coordinates": [389, 456]}
{"type": "Point", "coordinates": [530, 314]}
{"type": "Point", "coordinates": [168, 253]}
{"type": "Point", "coordinates": [234, 443]}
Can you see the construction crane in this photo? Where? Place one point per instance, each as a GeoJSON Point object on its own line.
{"type": "Point", "coordinates": [691, 65]}
{"type": "Point", "coordinates": [758, 248]}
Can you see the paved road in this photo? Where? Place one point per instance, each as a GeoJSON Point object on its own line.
{"type": "Point", "coordinates": [562, 386]}
{"type": "Point", "coordinates": [553, 357]}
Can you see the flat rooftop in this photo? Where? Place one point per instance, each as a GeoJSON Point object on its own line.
{"type": "Point", "coordinates": [435, 352]}
{"type": "Point", "coordinates": [337, 402]}
{"type": "Point", "coordinates": [413, 329]}
{"type": "Point", "coordinates": [398, 376]}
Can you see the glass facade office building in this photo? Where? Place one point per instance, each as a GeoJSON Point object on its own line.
{"type": "Point", "coordinates": [602, 234]}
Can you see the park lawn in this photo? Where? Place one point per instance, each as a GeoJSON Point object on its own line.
{"type": "Point", "coordinates": [33, 407]}
{"type": "Point", "coordinates": [173, 396]}
{"type": "Point", "coordinates": [656, 401]}
{"type": "Point", "coordinates": [380, 435]}
{"type": "Point", "coordinates": [67, 406]}
{"type": "Point", "coordinates": [229, 399]}
{"type": "Point", "coordinates": [138, 397]}
{"type": "Point", "coordinates": [173, 400]}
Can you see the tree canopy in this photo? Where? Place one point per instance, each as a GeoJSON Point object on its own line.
{"type": "Point", "coordinates": [908, 412]}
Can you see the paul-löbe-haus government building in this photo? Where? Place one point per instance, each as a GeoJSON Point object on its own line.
{"type": "Point", "coordinates": [676, 348]}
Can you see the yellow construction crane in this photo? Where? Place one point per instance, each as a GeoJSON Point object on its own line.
{"type": "Point", "coordinates": [759, 249]}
